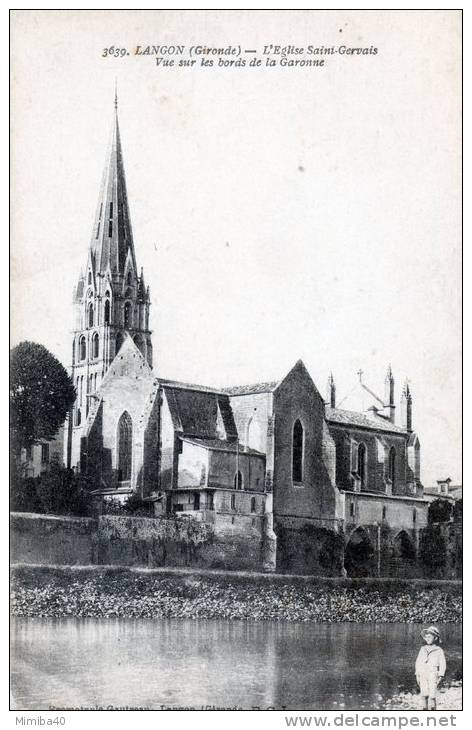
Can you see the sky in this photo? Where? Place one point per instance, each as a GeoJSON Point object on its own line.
{"type": "Point", "coordinates": [278, 213]}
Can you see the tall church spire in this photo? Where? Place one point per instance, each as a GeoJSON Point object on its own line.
{"type": "Point", "coordinates": [111, 299]}
{"type": "Point", "coordinates": [112, 235]}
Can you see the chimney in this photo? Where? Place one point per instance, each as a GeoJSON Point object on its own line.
{"type": "Point", "coordinates": [331, 392]}
{"type": "Point", "coordinates": [390, 394]}
{"type": "Point", "coordinates": [406, 406]}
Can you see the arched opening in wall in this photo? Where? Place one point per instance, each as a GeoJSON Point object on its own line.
{"type": "Point", "coordinates": [359, 556]}
{"type": "Point", "coordinates": [107, 311]}
{"type": "Point", "coordinates": [391, 466]}
{"type": "Point", "coordinates": [362, 464]}
{"type": "Point", "coordinates": [127, 314]}
{"type": "Point", "coordinates": [125, 447]}
{"type": "Point", "coordinates": [119, 342]}
{"type": "Point", "coordinates": [253, 504]}
{"type": "Point", "coordinates": [297, 452]}
{"type": "Point", "coordinates": [95, 345]}
{"type": "Point", "coordinates": [129, 278]}
{"type": "Point", "coordinates": [238, 480]}
{"type": "Point", "coordinates": [403, 555]}
{"type": "Point", "coordinates": [90, 315]}
{"type": "Point", "coordinates": [82, 348]}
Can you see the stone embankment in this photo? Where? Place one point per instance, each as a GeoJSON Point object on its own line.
{"type": "Point", "coordinates": [110, 592]}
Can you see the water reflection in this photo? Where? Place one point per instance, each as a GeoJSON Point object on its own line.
{"type": "Point", "coordinates": [184, 663]}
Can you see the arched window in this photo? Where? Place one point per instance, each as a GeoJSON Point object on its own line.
{"type": "Point", "coordinates": [125, 446]}
{"type": "Point", "coordinates": [253, 504]}
{"type": "Point", "coordinates": [90, 315]}
{"type": "Point", "coordinates": [233, 501]}
{"type": "Point", "coordinates": [297, 452]}
{"type": "Point", "coordinates": [95, 345]}
{"type": "Point", "coordinates": [414, 515]}
{"type": "Point", "coordinates": [127, 314]}
{"type": "Point", "coordinates": [129, 278]}
{"type": "Point", "coordinates": [81, 388]}
{"type": "Point", "coordinates": [238, 480]}
{"type": "Point", "coordinates": [128, 294]}
{"type": "Point", "coordinates": [90, 277]}
{"type": "Point", "coordinates": [82, 348]}
{"type": "Point", "coordinates": [384, 512]}
{"type": "Point", "coordinates": [391, 466]}
{"type": "Point", "coordinates": [107, 311]}
{"type": "Point", "coordinates": [361, 464]}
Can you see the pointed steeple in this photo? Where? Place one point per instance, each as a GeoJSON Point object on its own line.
{"type": "Point", "coordinates": [331, 392]}
{"type": "Point", "coordinates": [390, 394]}
{"type": "Point", "coordinates": [112, 235]}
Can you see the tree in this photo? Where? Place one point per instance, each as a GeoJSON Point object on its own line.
{"type": "Point", "coordinates": [41, 394]}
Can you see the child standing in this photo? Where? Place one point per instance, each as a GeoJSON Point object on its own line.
{"type": "Point", "coordinates": [430, 666]}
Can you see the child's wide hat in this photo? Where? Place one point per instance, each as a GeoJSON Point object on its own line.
{"type": "Point", "coordinates": [432, 630]}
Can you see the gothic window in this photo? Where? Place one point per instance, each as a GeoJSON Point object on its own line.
{"type": "Point", "coordinates": [391, 466]}
{"type": "Point", "coordinates": [95, 345]}
{"type": "Point", "coordinates": [238, 480]}
{"type": "Point", "coordinates": [81, 388]}
{"type": "Point", "coordinates": [233, 501]}
{"type": "Point", "coordinates": [90, 277]}
{"type": "Point", "coordinates": [107, 311]}
{"type": "Point", "coordinates": [414, 515]}
{"type": "Point", "coordinates": [384, 512]}
{"type": "Point", "coordinates": [297, 452]}
{"type": "Point", "coordinates": [128, 294]}
{"type": "Point", "coordinates": [90, 315]}
{"type": "Point", "coordinates": [129, 278]}
{"type": "Point", "coordinates": [125, 446]}
{"type": "Point", "coordinates": [95, 383]}
{"type": "Point", "coordinates": [82, 348]}
{"type": "Point", "coordinates": [362, 463]}
{"type": "Point", "coordinates": [253, 504]}
{"type": "Point", "coordinates": [127, 314]}
{"type": "Point", "coordinates": [351, 509]}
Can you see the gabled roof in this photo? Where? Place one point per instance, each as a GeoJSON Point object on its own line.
{"type": "Point", "coordinates": [195, 412]}
{"type": "Point", "coordinates": [352, 418]}
{"type": "Point", "coordinates": [190, 386]}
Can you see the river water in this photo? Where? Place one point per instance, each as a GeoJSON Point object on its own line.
{"type": "Point", "coordinates": [179, 663]}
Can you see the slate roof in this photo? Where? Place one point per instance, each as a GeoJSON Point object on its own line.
{"type": "Point", "coordinates": [253, 389]}
{"type": "Point", "coordinates": [195, 412]}
{"type": "Point", "coordinates": [220, 445]}
{"type": "Point", "coordinates": [352, 418]}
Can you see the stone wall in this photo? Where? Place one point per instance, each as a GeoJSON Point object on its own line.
{"type": "Point", "coordinates": [132, 541]}
{"type": "Point", "coordinates": [47, 540]}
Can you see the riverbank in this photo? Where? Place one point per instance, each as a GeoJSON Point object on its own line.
{"type": "Point", "coordinates": [449, 698]}
{"type": "Point", "coordinates": [110, 592]}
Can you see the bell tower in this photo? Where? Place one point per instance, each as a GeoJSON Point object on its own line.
{"type": "Point", "coordinates": [111, 298]}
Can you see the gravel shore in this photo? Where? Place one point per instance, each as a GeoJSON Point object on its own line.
{"type": "Point", "coordinates": [449, 698]}
{"type": "Point", "coordinates": [103, 593]}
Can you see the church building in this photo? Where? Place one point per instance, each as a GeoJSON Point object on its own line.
{"type": "Point", "coordinates": [309, 484]}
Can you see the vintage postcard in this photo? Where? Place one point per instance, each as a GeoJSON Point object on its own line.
{"type": "Point", "coordinates": [235, 370]}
